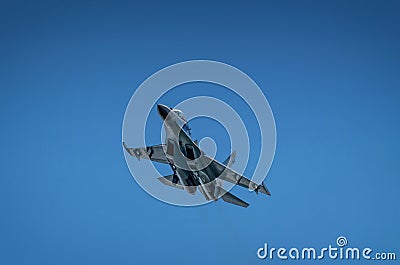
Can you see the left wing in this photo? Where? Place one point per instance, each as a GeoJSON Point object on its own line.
{"type": "Point", "coordinates": [228, 174]}
{"type": "Point", "coordinates": [153, 153]}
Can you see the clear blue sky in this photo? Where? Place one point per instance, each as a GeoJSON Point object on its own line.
{"type": "Point", "coordinates": [330, 70]}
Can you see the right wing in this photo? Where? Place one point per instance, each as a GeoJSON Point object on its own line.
{"type": "Point", "coordinates": [153, 153]}
{"type": "Point", "coordinates": [230, 175]}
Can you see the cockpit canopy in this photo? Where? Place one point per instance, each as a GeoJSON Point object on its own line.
{"type": "Point", "coordinates": [185, 125]}
{"type": "Point", "coordinates": [180, 114]}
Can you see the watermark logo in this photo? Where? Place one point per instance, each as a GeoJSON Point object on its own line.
{"type": "Point", "coordinates": [341, 251]}
{"type": "Point", "coordinates": [341, 241]}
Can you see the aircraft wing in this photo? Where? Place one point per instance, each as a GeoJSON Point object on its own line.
{"type": "Point", "coordinates": [228, 174]}
{"type": "Point", "coordinates": [153, 153]}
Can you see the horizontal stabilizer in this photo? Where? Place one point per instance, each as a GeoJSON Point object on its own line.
{"type": "Point", "coordinates": [171, 180]}
{"type": "Point", "coordinates": [229, 197]}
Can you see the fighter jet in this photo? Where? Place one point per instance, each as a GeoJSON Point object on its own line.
{"type": "Point", "coordinates": [192, 169]}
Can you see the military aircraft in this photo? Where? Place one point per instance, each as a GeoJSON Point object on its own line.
{"type": "Point", "coordinates": [192, 168]}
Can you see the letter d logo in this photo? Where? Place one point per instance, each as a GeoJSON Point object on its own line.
{"type": "Point", "coordinates": [262, 252]}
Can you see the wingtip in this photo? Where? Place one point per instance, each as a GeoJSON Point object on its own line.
{"type": "Point", "coordinates": [129, 150]}
{"type": "Point", "coordinates": [125, 147]}
{"type": "Point", "coordinates": [267, 192]}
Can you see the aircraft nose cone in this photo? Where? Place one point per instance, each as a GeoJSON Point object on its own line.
{"type": "Point", "coordinates": [163, 110]}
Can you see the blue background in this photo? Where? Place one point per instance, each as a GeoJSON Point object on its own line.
{"type": "Point", "coordinates": [330, 70]}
